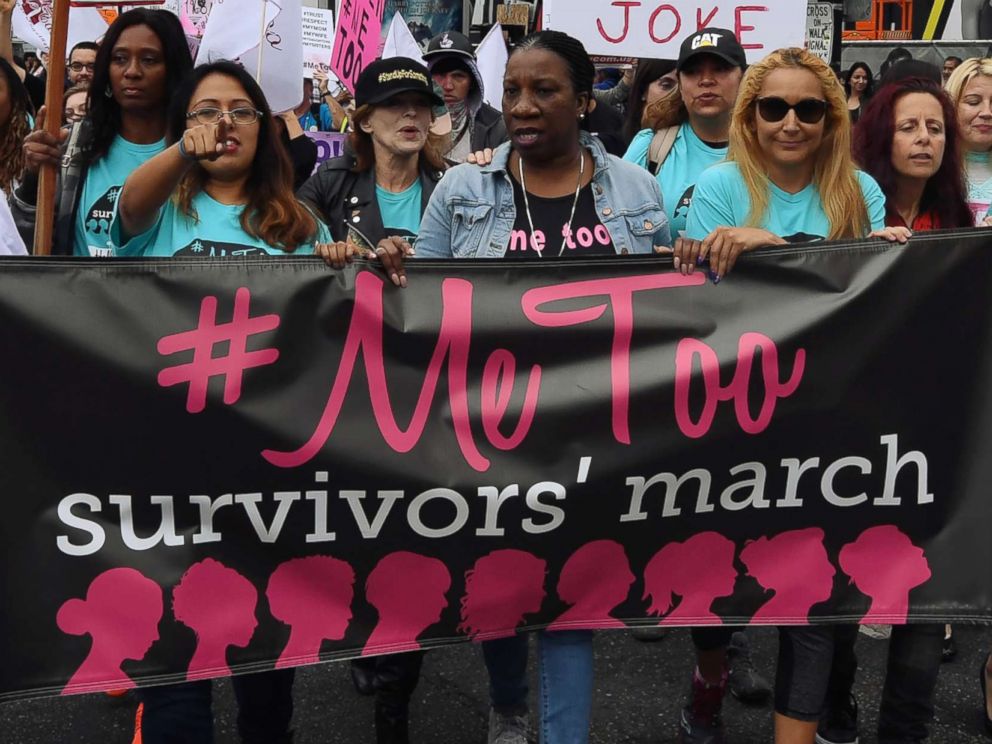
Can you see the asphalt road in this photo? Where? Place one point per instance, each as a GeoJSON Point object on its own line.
{"type": "Point", "coordinates": [639, 690]}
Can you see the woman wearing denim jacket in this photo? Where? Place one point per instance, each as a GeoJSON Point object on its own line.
{"type": "Point", "coordinates": [484, 213]}
{"type": "Point", "coordinates": [551, 191]}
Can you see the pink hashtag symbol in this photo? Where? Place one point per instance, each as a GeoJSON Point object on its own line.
{"type": "Point", "coordinates": [202, 341]}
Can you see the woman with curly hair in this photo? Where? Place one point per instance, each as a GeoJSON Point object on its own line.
{"type": "Point", "coordinates": [15, 124]}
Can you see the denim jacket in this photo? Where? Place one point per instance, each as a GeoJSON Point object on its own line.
{"type": "Point", "coordinates": [472, 212]}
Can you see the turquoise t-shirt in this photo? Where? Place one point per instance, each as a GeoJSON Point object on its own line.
{"type": "Point", "coordinates": [978, 170]}
{"type": "Point", "coordinates": [400, 212]}
{"type": "Point", "coordinates": [721, 199]}
{"type": "Point", "coordinates": [688, 158]}
{"type": "Point", "coordinates": [100, 189]}
{"type": "Point", "coordinates": [217, 233]}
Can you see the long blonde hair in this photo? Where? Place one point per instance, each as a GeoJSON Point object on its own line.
{"type": "Point", "coordinates": [964, 73]}
{"type": "Point", "coordinates": [833, 174]}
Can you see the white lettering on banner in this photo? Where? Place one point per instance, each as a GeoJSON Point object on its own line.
{"type": "Point", "coordinates": [441, 512]}
{"type": "Point", "coordinates": [655, 28]}
{"type": "Point", "coordinates": [820, 30]}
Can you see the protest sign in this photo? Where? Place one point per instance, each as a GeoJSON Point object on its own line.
{"type": "Point", "coordinates": [491, 58]}
{"type": "Point", "coordinates": [400, 42]}
{"type": "Point", "coordinates": [329, 145]}
{"type": "Point", "coordinates": [194, 444]}
{"type": "Point", "coordinates": [425, 19]}
{"type": "Point", "coordinates": [820, 30]}
{"type": "Point", "coordinates": [654, 28]}
{"type": "Point", "coordinates": [356, 39]}
{"type": "Point", "coordinates": [32, 22]}
{"type": "Point", "coordinates": [264, 36]}
{"type": "Point", "coordinates": [318, 40]}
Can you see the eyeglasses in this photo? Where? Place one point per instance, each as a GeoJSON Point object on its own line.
{"type": "Point", "coordinates": [808, 110]}
{"type": "Point", "coordinates": [212, 115]}
{"type": "Point", "coordinates": [80, 66]}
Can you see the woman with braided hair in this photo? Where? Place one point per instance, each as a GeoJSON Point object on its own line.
{"type": "Point", "coordinates": [551, 191]}
{"type": "Point", "coordinates": [15, 124]}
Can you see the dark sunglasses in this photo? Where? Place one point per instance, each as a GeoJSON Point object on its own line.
{"type": "Point", "coordinates": [808, 110]}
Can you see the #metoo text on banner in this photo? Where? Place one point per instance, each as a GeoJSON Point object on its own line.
{"type": "Point", "coordinates": [356, 41]}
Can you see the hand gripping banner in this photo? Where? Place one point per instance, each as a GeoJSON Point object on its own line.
{"type": "Point", "coordinates": [213, 466]}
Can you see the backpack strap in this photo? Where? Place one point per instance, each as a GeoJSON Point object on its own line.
{"type": "Point", "coordinates": [661, 145]}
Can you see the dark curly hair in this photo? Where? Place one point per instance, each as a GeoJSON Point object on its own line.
{"type": "Point", "coordinates": [14, 130]}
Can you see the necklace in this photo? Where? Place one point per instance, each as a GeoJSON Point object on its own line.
{"type": "Point", "coordinates": [575, 203]}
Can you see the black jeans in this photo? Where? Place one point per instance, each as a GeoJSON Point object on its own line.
{"type": "Point", "coordinates": [182, 713]}
{"type": "Point", "coordinates": [396, 677]}
{"type": "Point", "coordinates": [911, 675]}
{"type": "Point", "coordinates": [816, 663]}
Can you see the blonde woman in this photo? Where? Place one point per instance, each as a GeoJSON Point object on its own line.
{"type": "Point", "coordinates": [789, 176]}
{"type": "Point", "coordinates": [970, 89]}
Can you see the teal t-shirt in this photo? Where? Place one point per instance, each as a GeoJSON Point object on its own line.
{"type": "Point", "coordinates": [401, 212]}
{"type": "Point", "coordinates": [686, 161]}
{"type": "Point", "coordinates": [97, 204]}
{"type": "Point", "coordinates": [217, 233]}
{"type": "Point", "coordinates": [721, 199]}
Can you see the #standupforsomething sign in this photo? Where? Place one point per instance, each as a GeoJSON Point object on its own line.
{"type": "Point", "coordinates": [654, 28]}
{"type": "Point", "coordinates": [282, 464]}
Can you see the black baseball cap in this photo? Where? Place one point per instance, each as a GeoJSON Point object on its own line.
{"type": "Point", "coordinates": [716, 41]}
{"type": "Point", "coordinates": [449, 42]}
{"type": "Point", "coordinates": [386, 78]}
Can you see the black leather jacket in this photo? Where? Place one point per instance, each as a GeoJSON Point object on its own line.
{"type": "Point", "coordinates": [344, 198]}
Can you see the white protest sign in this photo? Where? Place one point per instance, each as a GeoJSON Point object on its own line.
{"type": "Point", "coordinates": [400, 42]}
{"type": "Point", "coordinates": [820, 30]}
{"type": "Point", "coordinates": [32, 22]}
{"type": "Point", "coordinates": [269, 46]}
{"type": "Point", "coordinates": [655, 28]}
{"type": "Point", "coordinates": [318, 40]}
{"type": "Point", "coordinates": [491, 58]}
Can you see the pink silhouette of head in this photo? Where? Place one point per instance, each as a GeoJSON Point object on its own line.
{"type": "Point", "coordinates": [500, 589]}
{"type": "Point", "coordinates": [313, 596]}
{"type": "Point", "coordinates": [884, 564]}
{"type": "Point", "coordinates": [409, 592]}
{"type": "Point", "coordinates": [121, 614]}
{"type": "Point", "coordinates": [794, 565]}
{"type": "Point", "coordinates": [594, 580]}
{"type": "Point", "coordinates": [698, 570]}
{"type": "Point", "coordinates": [218, 603]}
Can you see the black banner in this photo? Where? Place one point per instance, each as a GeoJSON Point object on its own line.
{"type": "Point", "coordinates": [220, 465]}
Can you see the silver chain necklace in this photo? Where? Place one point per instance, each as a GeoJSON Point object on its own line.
{"type": "Point", "coordinates": [571, 216]}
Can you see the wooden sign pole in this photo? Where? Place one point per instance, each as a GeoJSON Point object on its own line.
{"type": "Point", "coordinates": [45, 217]}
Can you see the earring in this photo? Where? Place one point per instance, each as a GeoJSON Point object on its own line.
{"type": "Point", "coordinates": [108, 92]}
{"type": "Point", "coordinates": [582, 116]}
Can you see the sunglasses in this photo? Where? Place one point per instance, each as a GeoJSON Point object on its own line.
{"type": "Point", "coordinates": [808, 110]}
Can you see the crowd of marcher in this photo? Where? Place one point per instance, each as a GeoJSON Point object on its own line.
{"type": "Point", "coordinates": [718, 158]}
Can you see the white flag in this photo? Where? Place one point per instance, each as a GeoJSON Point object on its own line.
{"type": "Point", "coordinates": [272, 51]}
{"type": "Point", "coordinates": [400, 42]}
{"type": "Point", "coordinates": [491, 57]}
{"type": "Point", "coordinates": [32, 22]}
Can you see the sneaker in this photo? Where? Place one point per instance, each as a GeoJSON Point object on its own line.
{"type": "Point", "coordinates": [840, 724]}
{"type": "Point", "coordinates": [745, 683]}
{"type": "Point", "coordinates": [507, 728]}
{"type": "Point", "coordinates": [696, 730]}
{"type": "Point", "coordinates": [700, 722]}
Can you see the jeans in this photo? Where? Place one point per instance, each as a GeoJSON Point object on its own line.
{"type": "Point", "coordinates": [565, 681]}
{"type": "Point", "coordinates": [182, 713]}
{"type": "Point", "coordinates": [816, 664]}
{"type": "Point", "coordinates": [910, 678]}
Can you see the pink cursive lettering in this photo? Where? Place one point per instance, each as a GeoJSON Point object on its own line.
{"type": "Point", "coordinates": [737, 390]}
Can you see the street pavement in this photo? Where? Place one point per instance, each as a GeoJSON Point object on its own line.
{"type": "Point", "coordinates": [639, 690]}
